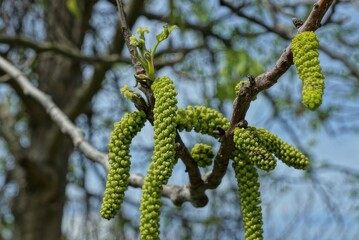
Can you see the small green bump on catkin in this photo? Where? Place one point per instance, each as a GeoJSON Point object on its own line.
{"type": "Point", "coordinates": [119, 154]}
{"type": "Point", "coordinates": [248, 141]}
{"type": "Point", "coordinates": [248, 187]}
{"type": "Point", "coordinates": [202, 154]}
{"type": "Point", "coordinates": [129, 94]}
{"type": "Point", "coordinates": [202, 119]}
{"type": "Point", "coordinates": [305, 48]}
{"type": "Point", "coordinates": [282, 150]}
{"type": "Point", "coordinates": [163, 158]}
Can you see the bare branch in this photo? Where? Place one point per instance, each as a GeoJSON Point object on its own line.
{"type": "Point", "coordinates": [4, 78]}
{"type": "Point", "coordinates": [65, 125]}
{"type": "Point", "coordinates": [253, 19]}
{"type": "Point", "coordinates": [63, 49]}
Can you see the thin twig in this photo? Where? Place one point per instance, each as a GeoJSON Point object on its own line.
{"type": "Point", "coordinates": [253, 19]}
{"type": "Point", "coordinates": [139, 70]}
{"type": "Point", "coordinates": [62, 49]}
{"type": "Point", "coordinates": [127, 34]}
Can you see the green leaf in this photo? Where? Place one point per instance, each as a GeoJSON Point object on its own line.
{"type": "Point", "coordinates": [165, 33]}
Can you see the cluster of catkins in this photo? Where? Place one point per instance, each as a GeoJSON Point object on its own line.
{"type": "Point", "coordinates": [167, 119]}
{"type": "Point", "coordinates": [201, 119]}
{"type": "Point", "coordinates": [257, 147]}
{"type": "Point", "coordinates": [253, 147]}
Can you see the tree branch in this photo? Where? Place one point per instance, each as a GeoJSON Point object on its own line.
{"type": "Point", "coordinates": [253, 19]}
{"type": "Point", "coordinates": [126, 35]}
{"type": "Point", "coordinates": [312, 24]}
{"type": "Point", "coordinates": [84, 94]}
{"type": "Point", "coordinates": [65, 125]}
{"type": "Point", "coordinates": [205, 30]}
{"type": "Point", "coordinates": [250, 90]}
{"type": "Point", "coordinates": [62, 49]}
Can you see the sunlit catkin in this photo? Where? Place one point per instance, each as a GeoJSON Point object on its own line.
{"type": "Point", "coordinates": [202, 119]}
{"type": "Point", "coordinates": [282, 150]}
{"type": "Point", "coordinates": [248, 142]}
{"type": "Point", "coordinates": [202, 154]}
{"type": "Point", "coordinates": [305, 56]}
{"type": "Point", "coordinates": [163, 159]}
{"type": "Point", "coordinates": [119, 155]}
{"type": "Point", "coordinates": [248, 187]}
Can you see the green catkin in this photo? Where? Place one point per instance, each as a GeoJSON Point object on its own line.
{"type": "Point", "coordinates": [163, 159]}
{"type": "Point", "coordinates": [305, 56]}
{"type": "Point", "coordinates": [282, 150]}
{"type": "Point", "coordinates": [119, 154]}
{"type": "Point", "coordinates": [202, 119]}
{"type": "Point", "coordinates": [202, 154]}
{"type": "Point", "coordinates": [248, 187]}
{"type": "Point", "coordinates": [249, 143]}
